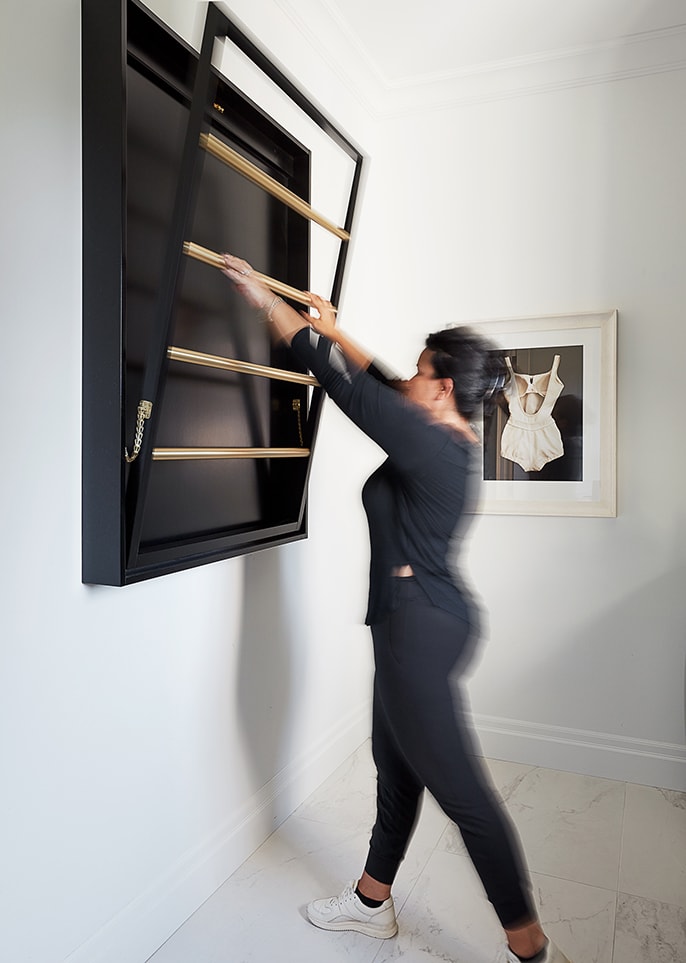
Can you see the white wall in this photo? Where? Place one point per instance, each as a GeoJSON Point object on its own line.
{"type": "Point", "coordinates": [153, 735]}
{"type": "Point", "coordinates": [567, 201]}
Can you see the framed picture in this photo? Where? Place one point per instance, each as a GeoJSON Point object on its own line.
{"type": "Point", "coordinates": [549, 441]}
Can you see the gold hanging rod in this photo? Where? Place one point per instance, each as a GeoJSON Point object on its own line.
{"type": "Point", "coordinates": [216, 260]}
{"type": "Point", "coordinates": [200, 454]}
{"type": "Point", "coordinates": [245, 367]}
{"type": "Point", "coordinates": [233, 159]}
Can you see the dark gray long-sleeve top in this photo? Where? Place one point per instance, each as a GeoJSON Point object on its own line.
{"type": "Point", "coordinates": [416, 499]}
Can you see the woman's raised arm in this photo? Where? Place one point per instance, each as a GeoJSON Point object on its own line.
{"type": "Point", "coordinates": [284, 321]}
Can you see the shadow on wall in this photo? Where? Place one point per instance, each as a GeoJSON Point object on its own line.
{"type": "Point", "coordinates": [268, 676]}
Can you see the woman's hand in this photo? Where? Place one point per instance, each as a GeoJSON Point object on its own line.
{"type": "Point", "coordinates": [325, 323]}
{"type": "Point", "coordinates": [239, 271]}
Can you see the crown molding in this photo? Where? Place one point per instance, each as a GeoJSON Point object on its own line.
{"type": "Point", "coordinates": [329, 37]}
{"type": "Point", "coordinates": [623, 58]}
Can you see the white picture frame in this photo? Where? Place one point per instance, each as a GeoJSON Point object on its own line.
{"type": "Point", "coordinates": [589, 343]}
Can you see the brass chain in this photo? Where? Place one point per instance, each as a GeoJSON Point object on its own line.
{"type": "Point", "coordinates": [144, 410]}
{"type": "Point", "coordinates": [296, 409]}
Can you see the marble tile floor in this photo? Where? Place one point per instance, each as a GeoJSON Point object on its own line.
{"type": "Point", "coordinates": [607, 862]}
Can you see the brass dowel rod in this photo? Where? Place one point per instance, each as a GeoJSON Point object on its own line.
{"type": "Point", "coordinates": [244, 367]}
{"type": "Point", "coordinates": [235, 160]}
{"type": "Point", "coordinates": [199, 454]}
{"type": "Point", "coordinates": [207, 256]}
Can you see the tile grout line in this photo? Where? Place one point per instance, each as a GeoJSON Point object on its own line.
{"type": "Point", "coordinates": [619, 873]}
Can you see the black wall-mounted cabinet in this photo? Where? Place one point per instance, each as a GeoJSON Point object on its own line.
{"type": "Point", "coordinates": [223, 459]}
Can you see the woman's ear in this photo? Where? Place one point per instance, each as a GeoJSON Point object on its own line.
{"type": "Point", "coordinates": [446, 388]}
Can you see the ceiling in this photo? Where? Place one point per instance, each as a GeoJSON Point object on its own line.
{"type": "Point", "coordinates": [408, 42]}
{"type": "Point", "coordinates": [403, 57]}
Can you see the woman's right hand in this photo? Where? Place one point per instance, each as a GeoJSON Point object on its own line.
{"type": "Point", "coordinates": [325, 321]}
{"type": "Point", "coordinates": [240, 272]}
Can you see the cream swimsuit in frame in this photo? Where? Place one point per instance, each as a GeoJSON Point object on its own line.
{"type": "Point", "coordinates": [531, 438]}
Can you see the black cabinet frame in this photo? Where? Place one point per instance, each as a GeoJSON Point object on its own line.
{"type": "Point", "coordinates": [116, 494]}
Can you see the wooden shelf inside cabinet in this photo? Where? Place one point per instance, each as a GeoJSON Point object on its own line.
{"type": "Point", "coordinates": [198, 433]}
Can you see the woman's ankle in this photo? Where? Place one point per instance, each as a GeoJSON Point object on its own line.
{"type": "Point", "coordinates": [372, 888]}
{"type": "Point", "coordinates": [526, 941]}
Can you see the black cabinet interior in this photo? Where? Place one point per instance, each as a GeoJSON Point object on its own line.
{"type": "Point", "coordinates": [220, 466]}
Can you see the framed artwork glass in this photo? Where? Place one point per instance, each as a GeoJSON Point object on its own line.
{"type": "Point", "coordinates": [549, 441]}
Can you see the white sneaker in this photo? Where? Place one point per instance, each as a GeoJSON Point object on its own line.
{"type": "Point", "coordinates": [549, 954]}
{"type": "Point", "coordinates": [348, 912]}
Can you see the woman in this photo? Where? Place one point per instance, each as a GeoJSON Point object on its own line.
{"type": "Point", "coordinates": [420, 619]}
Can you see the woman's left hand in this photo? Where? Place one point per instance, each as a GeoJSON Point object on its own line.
{"type": "Point", "coordinates": [325, 322]}
{"type": "Point", "coordinates": [249, 287]}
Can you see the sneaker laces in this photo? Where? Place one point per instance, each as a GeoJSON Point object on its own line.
{"type": "Point", "coordinates": [346, 896]}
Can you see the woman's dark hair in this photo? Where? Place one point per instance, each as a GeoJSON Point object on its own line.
{"type": "Point", "coordinates": [475, 366]}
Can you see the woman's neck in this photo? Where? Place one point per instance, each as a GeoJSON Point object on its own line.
{"type": "Point", "coordinates": [453, 419]}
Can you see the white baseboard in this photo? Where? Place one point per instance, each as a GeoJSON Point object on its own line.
{"type": "Point", "coordinates": [142, 926]}
{"type": "Point", "coordinates": [603, 754]}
